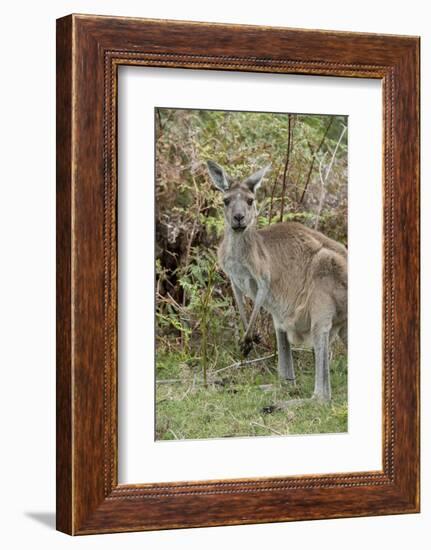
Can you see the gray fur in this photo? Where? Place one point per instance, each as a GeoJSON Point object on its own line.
{"type": "Point", "coordinates": [295, 273]}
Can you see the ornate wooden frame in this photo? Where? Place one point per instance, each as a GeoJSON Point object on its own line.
{"type": "Point", "coordinates": [89, 51]}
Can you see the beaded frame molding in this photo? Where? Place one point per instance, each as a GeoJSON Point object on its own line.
{"type": "Point", "coordinates": [89, 51]}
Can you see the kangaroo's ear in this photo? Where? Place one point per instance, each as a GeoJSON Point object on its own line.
{"type": "Point", "coordinates": [218, 175]}
{"type": "Point", "coordinates": [253, 182]}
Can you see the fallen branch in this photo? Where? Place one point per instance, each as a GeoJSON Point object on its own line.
{"type": "Point", "coordinates": [233, 365]}
{"type": "Point", "coordinates": [237, 364]}
{"type": "Point", "coordinates": [243, 363]}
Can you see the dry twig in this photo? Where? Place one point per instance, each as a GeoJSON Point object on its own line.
{"type": "Point", "coordinates": [286, 164]}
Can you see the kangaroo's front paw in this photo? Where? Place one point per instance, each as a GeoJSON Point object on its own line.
{"type": "Point", "coordinates": [246, 345]}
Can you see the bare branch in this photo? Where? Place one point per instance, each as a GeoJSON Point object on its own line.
{"type": "Point", "coordinates": [314, 154]}
{"type": "Point", "coordinates": [286, 164]}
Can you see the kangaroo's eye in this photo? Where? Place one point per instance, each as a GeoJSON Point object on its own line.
{"type": "Point", "coordinates": [226, 201]}
{"type": "Point", "coordinates": [250, 201]}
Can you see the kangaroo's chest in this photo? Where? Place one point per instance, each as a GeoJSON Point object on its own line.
{"type": "Point", "coordinates": [241, 276]}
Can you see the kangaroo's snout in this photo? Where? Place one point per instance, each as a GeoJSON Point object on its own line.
{"type": "Point", "coordinates": [238, 222]}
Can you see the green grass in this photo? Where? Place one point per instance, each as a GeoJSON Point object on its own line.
{"type": "Point", "coordinates": [238, 402]}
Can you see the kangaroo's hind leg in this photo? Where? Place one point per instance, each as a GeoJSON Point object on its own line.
{"type": "Point", "coordinates": [322, 312]}
{"type": "Point", "coordinates": [322, 385]}
{"type": "Point", "coordinates": [285, 361]}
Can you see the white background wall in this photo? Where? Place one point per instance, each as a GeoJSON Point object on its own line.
{"type": "Point", "coordinates": [27, 241]}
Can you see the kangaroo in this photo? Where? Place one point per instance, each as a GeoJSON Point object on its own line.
{"type": "Point", "coordinates": [295, 273]}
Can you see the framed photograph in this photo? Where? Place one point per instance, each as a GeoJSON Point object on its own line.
{"type": "Point", "coordinates": [237, 274]}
